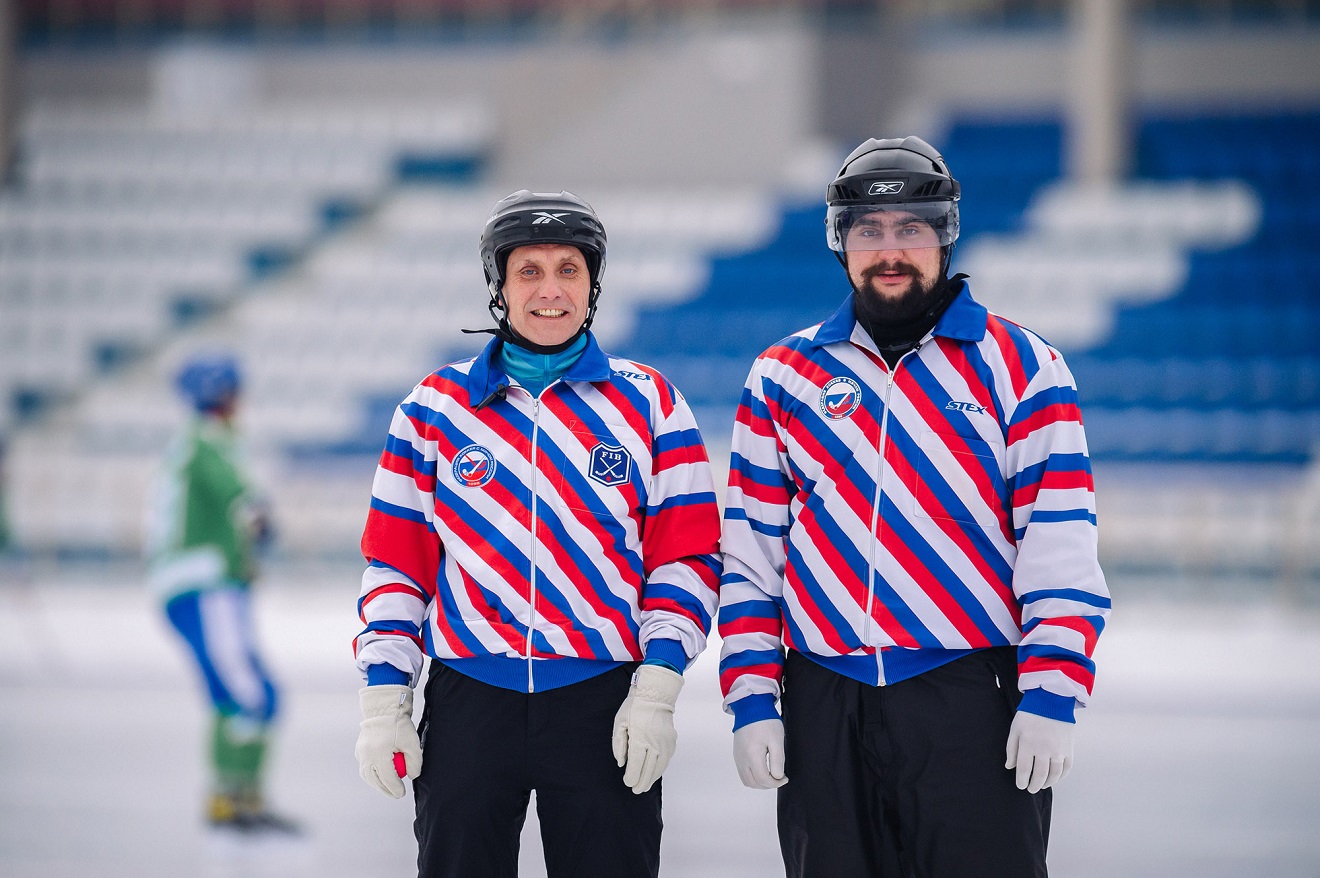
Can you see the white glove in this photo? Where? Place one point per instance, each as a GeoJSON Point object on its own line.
{"type": "Point", "coordinates": [644, 736]}
{"type": "Point", "coordinates": [758, 752]}
{"type": "Point", "coordinates": [387, 738]}
{"type": "Point", "coordinates": [1041, 749]}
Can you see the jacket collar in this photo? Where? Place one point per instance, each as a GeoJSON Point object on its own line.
{"type": "Point", "coordinates": [486, 376]}
{"type": "Point", "coordinates": [963, 320]}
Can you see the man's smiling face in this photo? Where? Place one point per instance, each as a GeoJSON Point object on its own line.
{"type": "Point", "coordinates": [547, 290]}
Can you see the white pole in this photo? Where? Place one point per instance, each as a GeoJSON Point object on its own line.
{"type": "Point", "coordinates": [1097, 139]}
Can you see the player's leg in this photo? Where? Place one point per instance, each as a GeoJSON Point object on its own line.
{"type": "Point", "coordinates": [962, 814]}
{"type": "Point", "coordinates": [832, 818]}
{"type": "Point", "coordinates": [472, 794]}
{"type": "Point", "coordinates": [212, 623]}
{"type": "Point", "coordinates": [591, 824]}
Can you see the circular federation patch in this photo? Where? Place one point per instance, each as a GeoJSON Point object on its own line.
{"type": "Point", "coordinates": [839, 398]}
{"type": "Point", "coordinates": [474, 466]}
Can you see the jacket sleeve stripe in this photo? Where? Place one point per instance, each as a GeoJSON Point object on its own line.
{"type": "Point", "coordinates": [401, 513]}
{"type": "Point", "coordinates": [1074, 595]}
{"type": "Point", "coordinates": [734, 674]}
{"type": "Point", "coordinates": [761, 527]}
{"type": "Point", "coordinates": [751, 658]}
{"type": "Point", "coordinates": [749, 473]}
{"type": "Point", "coordinates": [1081, 673]}
{"type": "Point", "coordinates": [407, 592]}
{"type": "Point", "coordinates": [1048, 416]}
{"type": "Point", "coordinates": [675, 601]}
{"type": "Point", "coordinates": [668, 395]}
{"type": "Point", "coordinates": [1055, 515]}
{"type": "Point", "coordinates": [1086, 629]}
{"type": "Point", "coordinates": [1058, 472]}
{"type": "Point", "coordinates": [793, 360]}
{"type": "Point", "coordinates": [395, 626]}
{"type": "Point", "coordinates": [756, 522]}
{"type": "Point", "coordinates": [1016, 351]}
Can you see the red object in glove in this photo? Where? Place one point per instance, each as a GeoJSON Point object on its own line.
{"type": "Point", "coordinates": [400, 767]}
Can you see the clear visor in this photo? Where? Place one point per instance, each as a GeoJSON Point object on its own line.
{"type": "Point", "coordinates": [898, 226]}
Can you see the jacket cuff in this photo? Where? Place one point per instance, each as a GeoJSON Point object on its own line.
{"type": "Point", "coordinates": [668, 653]}
{"type": "Point", "coordinates": [753, 709]}
{"type": "Point", "coordinates": [1049, 705]}
{"type": "Point", "coordinates": [386, 675]}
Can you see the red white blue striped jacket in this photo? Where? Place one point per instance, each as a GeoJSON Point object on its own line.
{"type": "Point", "coordinates": [880, 521]}
{"type": "Point", "coordinates": [581, 524]}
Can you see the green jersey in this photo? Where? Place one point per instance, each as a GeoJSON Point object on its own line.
{"type": "Point", "coordinates": [201, 525]}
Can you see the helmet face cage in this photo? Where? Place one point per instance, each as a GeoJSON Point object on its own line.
{"type": "Point", "coordinates": [526, 217]}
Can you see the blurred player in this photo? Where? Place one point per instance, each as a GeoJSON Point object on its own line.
{"type": "Point", "coordinates": [205, 527]}
{"type": "Point", "coordinates": [910, 557]}
{"type": "Point", "coordinates": [543, 525]}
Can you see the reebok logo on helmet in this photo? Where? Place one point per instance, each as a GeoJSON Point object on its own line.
{"type": "Point", "coordinates": [890, 188]}
{"type": "Point", "coordinates": [543, 217]}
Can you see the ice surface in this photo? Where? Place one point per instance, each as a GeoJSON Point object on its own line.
{"type": "Point", "coordinates": [1199, 756]}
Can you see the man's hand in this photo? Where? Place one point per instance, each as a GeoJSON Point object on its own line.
{"type": "Point", "coordinates": [387, 747]}
{"type": "Point", "coordinates": [644, 736]}
{"type": "Point", "coordinates": [758, 752]}
{"type": "Point", "coordinates": [1041, 749]}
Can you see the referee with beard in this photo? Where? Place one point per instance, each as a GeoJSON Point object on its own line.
{"type": "Point", "coordinates": [911, 594]}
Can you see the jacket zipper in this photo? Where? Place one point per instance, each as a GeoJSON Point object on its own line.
{"type": "Point", "coordinates": [531, 621]}
{"type": "Point", "coordinates": [875, 513]}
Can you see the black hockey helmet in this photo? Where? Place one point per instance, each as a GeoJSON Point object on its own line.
{"type": "Point", "coordinates": [527, 217]}
{"type": "Point", "coordinates": [896, 174]}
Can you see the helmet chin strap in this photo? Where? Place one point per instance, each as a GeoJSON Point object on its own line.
{"type": "Point", "coordinates": [948, 260]}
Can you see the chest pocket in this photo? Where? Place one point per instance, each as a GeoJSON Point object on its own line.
{"type": "Point", "coordinates": [602, 473]}
{"type": "Point", "coordinates": [958, 479]}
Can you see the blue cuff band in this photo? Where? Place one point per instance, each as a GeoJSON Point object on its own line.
{"type": "Point", "coordinates": [753, 709]}
{"type": "Point", "coordinates": [666, 652]}
{"type": "Point", "coordinates": [386, 675]}
{"type": "Point", "coordinates": [1049, 705]}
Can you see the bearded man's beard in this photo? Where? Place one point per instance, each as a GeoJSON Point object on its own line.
{"type": "Point", "coordinates": [879, 309]}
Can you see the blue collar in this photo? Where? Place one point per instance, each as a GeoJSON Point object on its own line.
{"type": "Point", "coordinates": [963, 320]}
{"type": "Point", "coordinates": [486, 375]}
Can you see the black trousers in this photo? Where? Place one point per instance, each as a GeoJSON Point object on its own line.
{"type": "Point", "coordinates": [907, 780]}
{"type": "Point", "coordinates": [484, 749]}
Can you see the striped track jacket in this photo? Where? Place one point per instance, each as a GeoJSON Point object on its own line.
{"type": "Point", "coordinates": [581, 524]}
{"type": "Point", "coordinates": [974, 527]}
